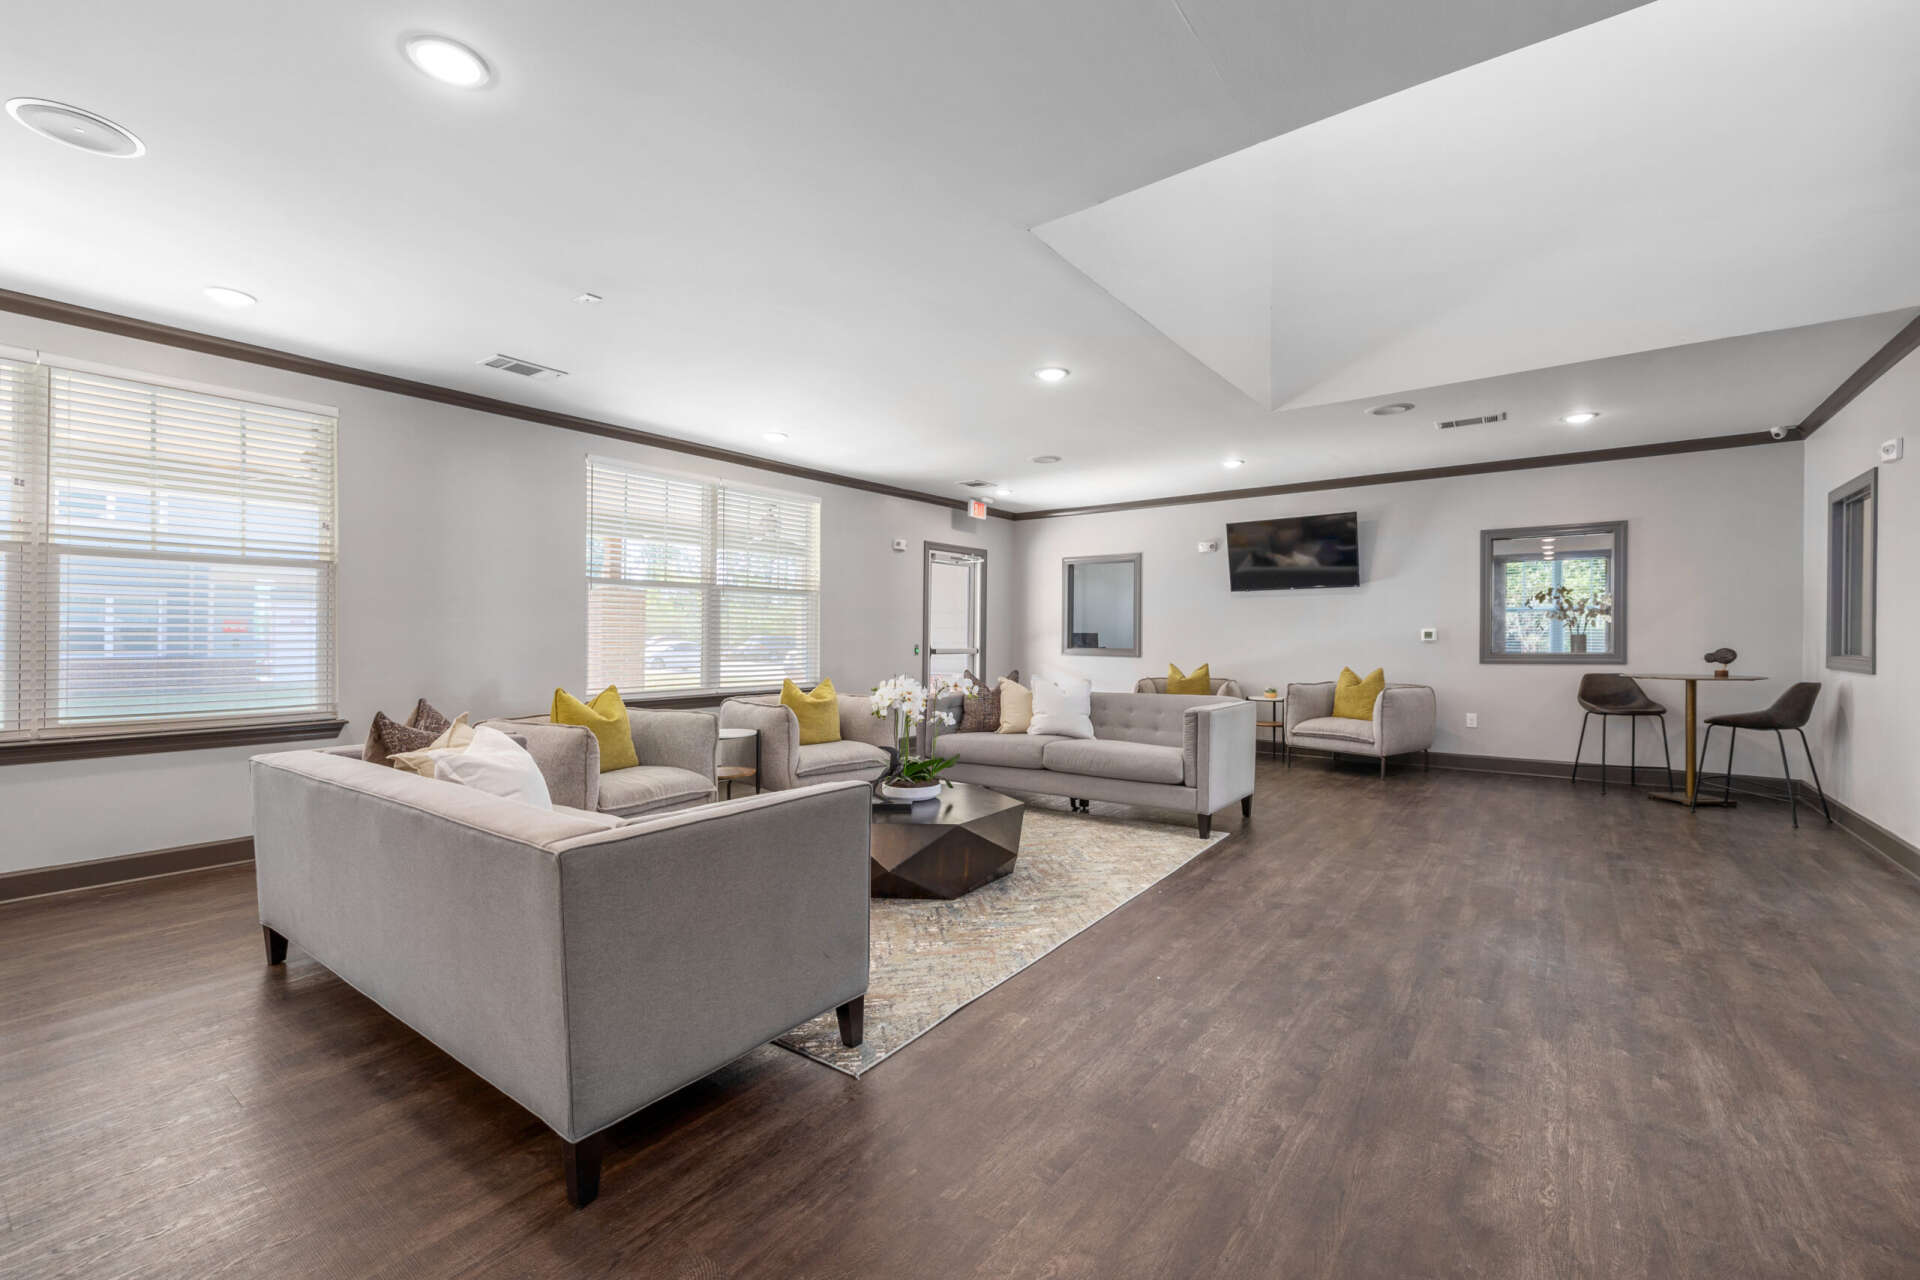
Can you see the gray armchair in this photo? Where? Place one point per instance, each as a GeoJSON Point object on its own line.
{"type": "Point", "coordinates": [676, 769]}
{"type": "Point", "coordinates": [866, 742]}
{"type": "Point", "coordinates": [1404, 717]}
{"type": "Point", "coordinates": [1221, 687]}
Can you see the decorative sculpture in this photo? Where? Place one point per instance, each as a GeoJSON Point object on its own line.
{"type": "Point", "coordinates": [1721, 659]}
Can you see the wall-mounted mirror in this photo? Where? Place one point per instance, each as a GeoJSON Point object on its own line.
{"type": "Point", "coordinates": [1100, 606]}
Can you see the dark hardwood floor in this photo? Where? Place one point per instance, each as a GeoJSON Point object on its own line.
{"type": "Point", "coordinates": [1444, 1025]}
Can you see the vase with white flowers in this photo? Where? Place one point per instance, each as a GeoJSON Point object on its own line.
{"type": "Point", "coordinates": [909, 704]}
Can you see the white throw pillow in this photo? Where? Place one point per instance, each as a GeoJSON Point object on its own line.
{"type": "Point", "coordinates": [497, 765]}
{"type": "Point", "coordinates": [1063, 706]}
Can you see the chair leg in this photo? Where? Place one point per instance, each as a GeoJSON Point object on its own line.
{"type": "Point", "coordinates": [1816, 774]}
{"type": "Point", "coordinates": [1603, 755]}
{"type": "Point", "coordinates": [1206, 825]}
{"type": "Point", "coordinates": [1786, 771]}
{"type": "Point", "coordinates": [277, 943]}
{"type": "Point", "coordinates": [1573, 774]}
{"type": "Point", "coordinates": [1383, 767]}
{"type": "Point", "coordinates": [853, 1021]}
{"type": "Point", "coordinates": [1706, 740]}
{"type": "Point", "coordinates": [1633, 747]}
{"type": "Point", "coordinates": [1246, 805]}
{"type": "Point", "coordinates": [1668, 751]}
{"type": "Point", "coordinates": [1726, 783]}
{"type": "Point", "coordinates": [580, 1162]}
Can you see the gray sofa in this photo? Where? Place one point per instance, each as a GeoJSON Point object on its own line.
{"type": "Point", "coordinates": [866, 742]}
{"type": "Point", "coordinates": [676, 769]}
{"type": "Point", "coordinates": [1218, 686]}
{"type": "Point", "coordinates": [1404, 716]}
{"type": "Point", "coordinates": [583, 964]}
{"type": "Point", "coordinates": [1191, 752]}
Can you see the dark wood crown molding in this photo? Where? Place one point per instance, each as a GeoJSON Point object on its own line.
{"type": "Point", "coordinates": [1621, 454]}
{"type": "Point", "coordinates": [1898, 348]}
{"type": "Point", "coordinates": [53, 309]}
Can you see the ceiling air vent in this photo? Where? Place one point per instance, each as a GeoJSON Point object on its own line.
{"type": "Point", "coordinates": [522, 368]}
{"type": "Point", "coordinates": [976, 484]}
{"type": "Point", "coordinates": [1481, 421]}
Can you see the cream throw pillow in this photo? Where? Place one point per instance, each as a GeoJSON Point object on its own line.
{"type": "Point", "coordinates": [1062, 705]}
{"type": "Point", "coordinates": [497, 765]}
{"type": "Point", "coordinates": [1016, 707]}
{"type": "Point", "coordinates": [456, 737]}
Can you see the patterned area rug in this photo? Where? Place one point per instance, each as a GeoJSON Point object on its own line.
{"type": "Point", "coordinates": [931, 958]}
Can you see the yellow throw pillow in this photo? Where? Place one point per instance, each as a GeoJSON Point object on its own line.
{"type": "Point", "coordinates": [606, 716]}
{"type": "Point", "coordinates": [818, 712]}
{"type": "Point", "coordinates": [1016, 707]}
{"type": "Point", "coordinates": [1353, 698]}
{"type": "Point", "coordinates": [1199, 682]}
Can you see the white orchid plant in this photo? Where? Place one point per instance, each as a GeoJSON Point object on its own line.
{"type": "Point", "coordinates": [909, 704]}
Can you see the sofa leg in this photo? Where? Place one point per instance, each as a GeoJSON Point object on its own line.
{"type": "Point", "coordinates": [1383, 766]}
{"type": "Point", "coordinates": [853, 1021]}
{"type": "Point", "coordinates": [1206, 825]}
{"type": "Point", "coordinates": [276, 945]}
{"type": "Point", "coordinates": [580, 1161]}
{"type": "Point", "coordinates": [1246, 806]}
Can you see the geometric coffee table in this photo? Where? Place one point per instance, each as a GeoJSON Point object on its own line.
{"type": "Point", "coordinates": [945, 847]}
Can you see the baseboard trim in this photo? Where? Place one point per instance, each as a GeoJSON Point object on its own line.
{"type": "Point", "coordinates": [38, 882]}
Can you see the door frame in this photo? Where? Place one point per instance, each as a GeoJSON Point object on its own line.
{"type": "Point", "coordinates": [926, 603]}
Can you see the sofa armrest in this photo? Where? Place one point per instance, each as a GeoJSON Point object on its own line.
{"type": "Point", "coordinates": [1404, 718]}
{"type": "Point", "coordinates": [693, 937]}
{"type": "Point", "coordinates": [683, 739]}
{"type": "Point", "coordinates": [568, 756]}
{"type": "Point", "coordinates": [1308, 702]}
{"type": "Point", "coordinates": [859, 724]}
{"type": "Point", "coordinates": [1219, 744]}
{"type": "Point", "coordinates": [779, 731]}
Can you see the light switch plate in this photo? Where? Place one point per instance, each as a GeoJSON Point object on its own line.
{"type": "Point", "coordinates": [1473, 719]}
{"type": "Point", "coordinates": [1429, 634]}
{"type": "Point", "coordinates": [1891, 450]}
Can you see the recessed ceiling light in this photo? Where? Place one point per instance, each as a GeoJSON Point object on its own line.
{"type": "Point", "coordinates": [1580, 418]}
{"type": "Point", "coordinates": [1388, 410]}
{"type": "Point", "coordinates": [226, 297]}
{"type": "Point", "coordinates": [588, 298]}
{"type": "Point", "coordinates": [1231, 463]}
{"type": "Point", "coordinates": [1003, 492]}
{"type": "Point", "coordinates": [448, 61]}
{"type": "Point", "coordinates": [76, 127]}
{"type": "Point", "coordinates": [774, 437]}
{"type": "Point", "coordinates": [1052, 373]}
{"type": "Point", "coordinates": [1045, 458]}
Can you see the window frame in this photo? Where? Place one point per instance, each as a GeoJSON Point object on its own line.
{"type": "Point", "coordinates": [1490, 632]}
{"type": "Point", "coordinates": [1865, 489]}
{"type": "Point", "coordinates": [35, 628]}
{"type": "Point", "coordinates": [711, 589]}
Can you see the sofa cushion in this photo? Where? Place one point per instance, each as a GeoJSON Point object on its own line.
{"type": "Point", "coordinates": [643, 788]}
{"type": "Point", "coordinates": [1353, 698]}
{"type": "Point", "coordinates": [1201, 681]}
{"type": "Point", "coordinates": [1012, 750]}
{"type": "Point", "coordinates": [1016, 706]}
{"type": "Point", "coordinates": [817, 712]}
{"type": "Point", "coordinates": [1121, 761]}
{"type": "Point", "coordinates": [606, 717]}
{"type": "Point", "coordinates": [1336, 727]}
{"type": "Point", "coordinates": [1062, 705]}
{"type": "Point", "coordinates": [843, 757]}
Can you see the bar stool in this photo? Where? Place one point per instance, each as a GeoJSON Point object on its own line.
{"type": "Point", "coordinates": [1791, 710]}
{"type": "Point", "coordinates": [1609, 695]}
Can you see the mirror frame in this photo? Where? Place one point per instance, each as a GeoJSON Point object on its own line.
{"type": "Point", "coordinates": [1066, 605]}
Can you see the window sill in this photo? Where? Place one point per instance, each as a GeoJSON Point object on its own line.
{"type": "Point", "coordinates": [41, 750]}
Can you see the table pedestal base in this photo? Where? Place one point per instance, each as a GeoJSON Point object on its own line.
{"type": "Point", "coordinates": [1704, 802]}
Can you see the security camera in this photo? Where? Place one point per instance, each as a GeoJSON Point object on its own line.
{"type": "Point", "coordinates": [1778, 433]}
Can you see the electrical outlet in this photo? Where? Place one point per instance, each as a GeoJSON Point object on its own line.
{"type": "Point", "coordinates": [1473, 719]}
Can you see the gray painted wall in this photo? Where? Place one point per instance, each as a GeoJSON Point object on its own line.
{"type": "Point", "coordinates": [1864, 726]}
{"type": "Point", "coordinates": [461, 580]}
{"type": "Point", "coordinates": [1715, 552]}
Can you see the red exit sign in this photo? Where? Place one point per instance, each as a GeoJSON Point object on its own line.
{"type": "Point", "coordinates": [976, 508]}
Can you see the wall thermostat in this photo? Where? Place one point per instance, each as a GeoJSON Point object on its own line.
{"type": "Point", "coordinates": [1209, 544]}
{"type": "Point", "coordinates": [1891, 450]}
{"type": "Point", "coordinates": [899, 544]}
{"type": "Point", "coordinates": [1429, 634]}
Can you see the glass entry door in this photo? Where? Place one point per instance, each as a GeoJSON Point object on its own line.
{"type": "Point", "coordinates": [954, 620]}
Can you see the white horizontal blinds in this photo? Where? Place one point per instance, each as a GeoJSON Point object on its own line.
{"type": "Point", "coordinates": [767, 580]}
{"type": "Point", "coordinates": [189, 555]}
{"type": "Point", "coordinates": [649, 557]}
{"type": "Point", "coordinates": [693, 586]}
{"type": "Point", "coordinates": [22, 413]}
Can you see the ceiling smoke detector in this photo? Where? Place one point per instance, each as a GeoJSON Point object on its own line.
{"type": "Point", "coordinates": [1481, 421]}
{"type": "Point", "coordinates": [522, 368]}
{"type": "Point", "coordinates": [76, 127]}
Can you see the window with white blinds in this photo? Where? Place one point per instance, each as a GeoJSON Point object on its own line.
{"type": "Point", "coordinates": [166, 557]}
{"type": "Point", "coordinates": [696, 587]}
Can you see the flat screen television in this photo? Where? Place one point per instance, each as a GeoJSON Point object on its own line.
{"type": "Point", "coordinates": [1299, 551]}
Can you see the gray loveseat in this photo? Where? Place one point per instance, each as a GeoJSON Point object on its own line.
{"type": "Point", "coordinates": [583, 964]}
{"type": "Point", "coordinates": [1404, 717]}
{"type": "Point", "coordinates": [1190, 752]}
{"type": "Point", "coordinates": [865, 747]}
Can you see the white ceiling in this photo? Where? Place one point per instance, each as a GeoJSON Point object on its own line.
{"type": "Point", "coordinates": [815, 219]}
